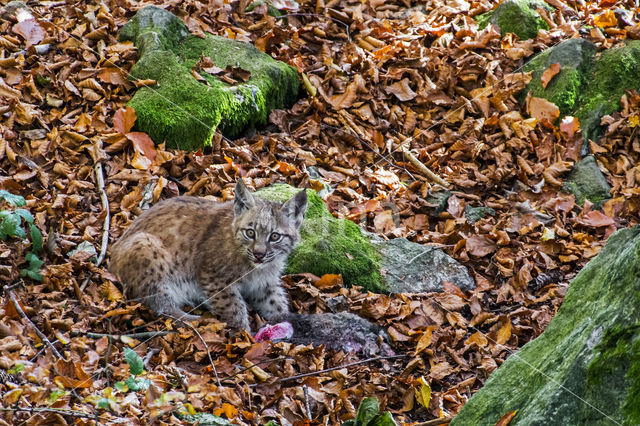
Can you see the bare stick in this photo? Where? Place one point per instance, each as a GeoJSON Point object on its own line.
{"type": "Point", "coordinates": [435, 422]}
{"type": "Point", "coordinates": [363, 361]}
{"type": "Point", "coordinates": [105, 205]}
{"type": "Point", "coordinates": [305, 389]}
{"type": "Point", "coordinates": [213, 366]}
{"type": "Point", "coordinates": [42, 337]}
{"type": "Point", "coordinates": [71, 413]}
{"type": "Point", "coordinates": [137, 336]}
{"type": "Point", "coordinates": [424, 169]}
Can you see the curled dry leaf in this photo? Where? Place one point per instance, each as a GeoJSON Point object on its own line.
{"type": "Point", "coordinates": [549, 73]}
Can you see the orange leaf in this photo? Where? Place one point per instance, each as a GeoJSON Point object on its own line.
{"type": "Point", "coordinates": [477, 338]}
{"type": "Point", "coordinates": [425, 340]}
{"type": "Point", "coordinates": [549, 73]}
{"type": "Point", "coordinates": [30, 30]}
{"type": "Point", "coordinates": [143, 144]}
{"type": "Point", "coordinates": [542, 109]}
{"type": "Point", "coordinates": [595, 219]}
{"type": "Point", "coordinates": [329, 281]}
{"type": "Point", "coordinates": [112, 76]}
{"type": "Point", "coordinates": [605, 19]}
{"type": "Point", "coordinates": [504, 333]}
{"type": "Point", "coordinates": [286, 168]}
{"type": "Point", "coordinates": [479, 245]}
{"type": "Point", "coordinates": [71, 375]}
{"type": "Point", "coordinates": [227, 409]}
{"type": "Point", "coordinates": [569, 125]}
{"type": "Point", "coordinates": [123, 119]}
{"type": "Point", "coordinates": [506, 419]}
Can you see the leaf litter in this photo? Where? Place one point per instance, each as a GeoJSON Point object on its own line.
{"type": "Point", "coordinates": [388, 80]}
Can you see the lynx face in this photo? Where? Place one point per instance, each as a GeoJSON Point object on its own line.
{"type": "Point", "coordinates": [267, 230]}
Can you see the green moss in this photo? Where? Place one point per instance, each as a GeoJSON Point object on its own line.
{"type": "Point", "coordinates": [516, 16]}
{"type": "Point", "coordinates": [560, 375]}
{"type": "Point", "coordinates": [329, 245]}
{"type": "Point", "coordinates": [619, 353]}
{"type": "Point", "coordinates": [185, 112]}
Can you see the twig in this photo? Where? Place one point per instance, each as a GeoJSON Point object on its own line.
{"type": "Point", "coordinates": [148, 356]}
{"type": "Point", "coordinates": [424, 169]}
{"type": "Point", "coordinates": [137, 336]}
{"type": "Point", "coordinates": [326, 370]}
{"type": "Point", "coordinates": [435, 422]}
{"type": "Point", "coordinates": [72, 413]}
{"type": "Point", "coordinates": [264, 361]}
{"type": "Point", "coordinates": [42, 337]}
{"type": "Point", "coordinates": [213, 366]}
{"type": "Point", "coordinates": [305, 389]}
{"type": "Point", "coordinates": [105, 206]}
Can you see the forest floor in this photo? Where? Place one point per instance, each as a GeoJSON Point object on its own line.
{"type": "Point", "coordinates": [389, 80]}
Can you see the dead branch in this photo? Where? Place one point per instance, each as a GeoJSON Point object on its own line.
{"type": "Point", "coordinates": [105, 206]}
{"type": "Point", "coordinates": [62, 412]}
{"type": "Point", "coordinates": [326, 370]}
{"type": "Point", "coordinates": [305, 389]}
{"type": "Point", "coordinates": [436, 422]}
{"type": "Point", "coordinates": [424, 169]}
{"type": "Point", "coordinates": [137, 336]}
{"type": "Point", "coordinates": [42, 337]}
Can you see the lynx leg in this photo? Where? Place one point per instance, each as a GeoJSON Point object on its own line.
{"type": "Point", "coordinates": [232, 309]}
{"type": "Point", "coordinates": [271, 304]}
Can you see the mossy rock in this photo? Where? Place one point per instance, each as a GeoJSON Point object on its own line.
{"type": "Point", "coordinates": [587, 182]}
{"type": "Point", "coordinates": [584, 369]}
{"type": "Point", "coordinates": [338, 246]}
{"type": "Point", "coordinates": [519, 17]}
{"type": "Point", "coordinates": [588, 85]}
{"type": "Point", "coordinates": [576, 57]}
{"type": "Point", "coordinates": [186, 112]}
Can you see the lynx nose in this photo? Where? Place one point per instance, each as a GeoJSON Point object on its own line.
{"type": "Point", "coordinates": [259, 255]}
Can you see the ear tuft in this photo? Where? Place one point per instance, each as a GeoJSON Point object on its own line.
{"type": "Point", "coordinates": [296, 207]}
{"type": "Point", "coordinates": [243, 199]}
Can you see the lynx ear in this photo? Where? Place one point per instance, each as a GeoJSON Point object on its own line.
{"type": "Point", "coordinates": [244, 199]}
{"type": "Point", "coordinates": [295, 208]}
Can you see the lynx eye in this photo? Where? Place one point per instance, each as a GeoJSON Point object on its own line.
{"type": "Point", "coordinates": [250, 233]}
{"type": "Point", "coordinates": [275, 237]}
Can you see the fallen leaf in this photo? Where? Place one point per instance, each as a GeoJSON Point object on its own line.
{"type": "Point", "coordinates": [542, 109]}
{"type": "Point", "coordinates": [549, 73]}
{"type": "Point", "coordinates": [479, 245]}
{"type": "Point", "coordinates": [329, 281]}
{"type": "Point", "coordinates": [30, 30]}
{"type": "Point", "coordinates": [506, 419]}
{"type": "Point", "coordinates": [123, 119]}
{"type": "Point", "coordinates": [401, 90]}
{"type": "Point", "coordinates": [606, 18]}
{"type": "Point", "coordinates": [595, 219]}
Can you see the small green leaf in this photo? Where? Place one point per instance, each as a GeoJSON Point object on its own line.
{"type": "Point", "coordinates": [25, 214]}
{"type": "Point", "coordinates": [10, 226]}
{"type": "Point", "coordinates": [136, 384]}
{"type": "Point", "coordinates": [14, 200]}
{"type": "Point", "coordinates": [368, 409]}
{"type": "Point", "coordinates": [36, 276]}
{"type": "Point", "coordinates": [384, 419]}
{"type": "Point", "coordinates": [120, 386]}
{"type": "Point", "coordinates": [136, 365]}
{"type": "Point", "coordinates": [16, 369]}
{"type": "Point", "coordinates": [103, 403]}
{"type": "Point", "coordinates": [55, 395]}
{"type": "Point", "coordinates": [36, 238]}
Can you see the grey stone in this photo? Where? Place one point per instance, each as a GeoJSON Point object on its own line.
{"type": "Point", "coordinates": [519, 17]}
{"type": "Point", "coordinates": [408, 267]}
{"type": "Point", "coordinates": [587, 182]}
{"type": "Point", "coordinates": [584, 369]}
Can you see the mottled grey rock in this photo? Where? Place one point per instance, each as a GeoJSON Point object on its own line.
{"type": "Point", "coordinates": [408, 267]}
{"type": "Point", "coordinates": [584, 369]}
{"type": "Point", "coordinates": [587, 182]}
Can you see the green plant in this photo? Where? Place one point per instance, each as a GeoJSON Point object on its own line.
{"type": "Point", "coordinates": [136, 368]}
{"type": "Point", "coordinates": [12, 224]}
{"type": "Point", "coordinates": [369, 415]}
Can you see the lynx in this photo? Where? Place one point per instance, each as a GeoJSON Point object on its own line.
{"type": "Point", "coordinates": [224, 257]}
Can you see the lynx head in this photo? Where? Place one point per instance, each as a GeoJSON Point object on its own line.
{"type": "Point", "coordinates": [268, 230]}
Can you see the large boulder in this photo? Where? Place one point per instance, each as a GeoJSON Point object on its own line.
{"type": "Point", "coordinates": [589, 85]}
{"type": "Point", "coordinates": [584, 369]}
{"type": "Point", "coordinates": [338, 246]}
{"type": "Point", "coordinates": [185, 111]}
{"type": "Point", "coordinates": [519, 17]}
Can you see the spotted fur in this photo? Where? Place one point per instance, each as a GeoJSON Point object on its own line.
{"type": "Point", "coordinates": [225, 257]}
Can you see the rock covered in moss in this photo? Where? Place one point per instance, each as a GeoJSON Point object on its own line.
{"type": "Point", "coordinates": [589, 85]}
{"type": "Point", "coordinates": [184, 111]}
{"type": "Point", "coordinates": [587, 182]}
{"type": "Point", "coordinates": [519, 17]}
{"type": "Point", "coordinates": [338, 246]}
{"type": "Point", "coordinates": [576, 57]}
{"type": "Point", "coordinates": [584, 369]}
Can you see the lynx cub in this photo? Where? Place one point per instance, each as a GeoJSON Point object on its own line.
{"type": "Point", "coordinates": [221, 256]}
